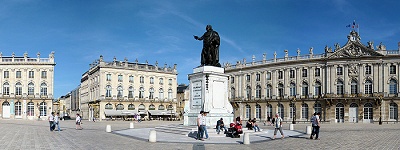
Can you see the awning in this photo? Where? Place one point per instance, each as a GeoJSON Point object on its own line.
{"type": "Point", "coordinates": [160, 112]}
{"type": "Point", "coordinates": [120, 112]}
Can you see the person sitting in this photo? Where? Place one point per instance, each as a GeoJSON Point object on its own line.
{"type": "Point", "coordinates": [249, 125]}
{"type": "Point", "coordinates": [220, 125]}
{"type": "Point", "coordinates": [255, 125]}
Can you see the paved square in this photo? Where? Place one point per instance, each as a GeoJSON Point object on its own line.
{"type": "Point", "coordinates": [22, 134]}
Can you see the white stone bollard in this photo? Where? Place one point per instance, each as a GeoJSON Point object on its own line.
{"type": "Point", "coordinates": [246, 138]}
{"type": "Point", "coordinates": [131, 125]}
{"type": "Point", "coordinates": [153, 136]}
{"type": "Point", "coordinates": [291, 127]}
{"type": "Point", "coordinates": [308, 129]}
{"type": "Point", "coordinates": [108, 128]}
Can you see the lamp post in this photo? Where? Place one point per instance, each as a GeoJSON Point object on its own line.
{"type": "Point", "coordinates": [380, 110]}
{"type": "Point", "coordinates": [294, 111]}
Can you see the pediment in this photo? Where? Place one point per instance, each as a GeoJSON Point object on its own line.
{"type": "Point", "coordinates": [354, 49]}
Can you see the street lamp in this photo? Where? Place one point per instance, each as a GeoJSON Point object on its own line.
{"type": "Point", "coordinates": [294, 111]}
{"type": "Point", "coordinates": [380, 110]}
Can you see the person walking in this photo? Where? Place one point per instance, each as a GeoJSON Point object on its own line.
{"type": "Point", "coordinates": [139, 118]}
{"type": "Point", "coordinates": [78, 121]}
{"type": "Point", "coordinates": [205, 126]}
{"type": "Point", "coordinates": [312, 125]}
{"type": "Point", "coordinates": [278, 126]}
{"type": "Point", "coordinates": [51, 121]}
{"type": "Point", "coordinates": [317, 125]}
{"type": "Point", "coordinates": [200, 123]}
{"type": "Point", "coordinates": [57, 121]}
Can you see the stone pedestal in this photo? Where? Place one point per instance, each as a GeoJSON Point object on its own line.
{"type": "Point", "coordinates": [208, 92]}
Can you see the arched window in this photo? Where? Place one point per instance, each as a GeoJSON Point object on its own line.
{"type": "Point", "coordinates": [318, 90]}
{"type": "Point", "coordinates": [141, 79]}
{"type": "Point", "coordinates": [354, 87]}
{"type": "Point", "coordinates": [6, 89]}
{"type": "Point", "coordinates": [161, 81]}
{"type": "Point", "coordinates": [258, 91]}
{"type": "Point", "coordinates": [368, 87]}
{"type": "Point", "coordinates": [269, 110]}
{"type": "Point", "coordinates": [268, 91]}
{"type": "Point", "coordinates": [280, 90]}
{"type": "Point", "coordinates": [393, 86]}
{"type": "Point", "coordinates": [131, 107]}
{"type": "Point", "coordinates": [161, 93]}
{"type": "Point", "coordinates": [292, 89]}
{"type": "Point", "coordinates": [281, 110]}
{"type": "Point", "coordinates": [393, 111]}
{"type": "Point", "coordinates": [304, 111]}
{"type": "Point", "coordinates": [31, 109]}
{"type": "Point", "coordinates": [248, 111]}
{"type": "Point", "coordinates": [151, 93]}
{"type": "Point", "coordinates": [18, 89]}
{"type": "Point", "coordinates": [317, 108]}
{"type": "Point", "coordinates": [31, 89]}
{"type": "Point", "coordinates": [141, 92]}
{"type": "Point", "coordinates": [152, 107]}
{"type": "Point", "coordinates": [233, 93]}
{"type": "Point", "coordinates": [42, 109]}
{"type": "Point", "coordinates": [304, 89]}
{"type": "Point", "coordinates": [109, 106]}
{"type": "Point", "coordinates": [170, 107]}
{"type": "Point", "coordinates": [142, 107]}
{"type": "Point", "coordinates": [292, 110]}
{"type": "Point", "coordinates": [258, 111]}
{"type": "Point", "coordinates": [120, 107]}
{"type": "Point", "coordinates": [248, 92]}
{"type": "Point", "coordinates": [368, 112]}
{"type": "Point", "coordinates": [161, 107]}
{"type": "Point", "coordinates": [43, 89]}
{"type": "Point", "coordinates": [339, 87]}
{"type": "Point", "coordinates": [170, 94]}
{"type": "Point", "coordinates": [151, 80]}
{"type": "Point", "coordinates": [108, 91]}
{"type": "Point", "coordinates": [18, 108]}
{"type": "Point", "coordinates": [130, 92]}
{"type": "Point", "coordinates": [120, 92]}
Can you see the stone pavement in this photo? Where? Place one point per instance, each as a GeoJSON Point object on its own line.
{"type": "Point", "coordinates": [23, 134]}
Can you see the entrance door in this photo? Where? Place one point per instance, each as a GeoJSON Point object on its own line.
{"type": "Point", "coordinates": [353, 111]}
{"type": "Point", "coordinates": [6, 111]}
{"type": "Point", "coordinates": [339, 113]}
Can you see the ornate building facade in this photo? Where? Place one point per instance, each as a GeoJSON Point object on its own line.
{"type": "Point", "coordinates": [122, 88]}
{"type": "Point", "coordinates": [27, 86]}
{"type": "Point", "coordinates": [350, 83]}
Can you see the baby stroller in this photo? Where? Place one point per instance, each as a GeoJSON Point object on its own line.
{"type": "Point", "coordinates": [234, 130]}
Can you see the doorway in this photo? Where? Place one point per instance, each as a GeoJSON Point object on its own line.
{"type": "Point", "coordinates": [353, 111]}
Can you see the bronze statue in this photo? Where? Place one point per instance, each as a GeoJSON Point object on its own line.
{"type": "Point", "coordinates": [210, 52]}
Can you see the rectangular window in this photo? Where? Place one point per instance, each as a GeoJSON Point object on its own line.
{"type": "Point", "coordinates": [108, 77]}
{"type": "Point", "coordinates": [170, 81]}
{"type": "Point", "coordinates": [6, 74]}
{"type": "Point", "coordinates": [44, 74]}
{"type": "Point", "coordinates": [368, 70]}
{"type": "Point", "coordinates": [269, 76]}
{"type": "Point", "coordinates": [31, 74]}
{"type": "Point", "coordinates": [248, 78]}
{"type": "Point", "coordinates": [291, 74]}
{"type": "Point", "coordinates": [392, 69]}
{"type": "Point", "coordinates": [120, 78]}
{"type": "Point", "coordinates": [161, 81]}
{"type": "Point", "coordinates": [317, 72]}
{"type": "Point", "coordinates": [18, 74]}
{"type": "Point", "coordinates": [258, 77]}
{"type": "Point", "coordinates": [339, 71]}
{"type": "Point", "coordinates": [131, 79]}
{"type": "Point", "coordinates": [304, 72]}
{"type": "Point", "coordinates": [232, 80]}
{"type": "Point", "coordinates": [280, 75]}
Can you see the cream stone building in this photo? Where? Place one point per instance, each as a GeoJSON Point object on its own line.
{"type": "Point", "coordinates": [122, 89]}
{"type": "Point", "coordinates": [27, 86]}
{"type": "Point", "coordinates": [349, 83]}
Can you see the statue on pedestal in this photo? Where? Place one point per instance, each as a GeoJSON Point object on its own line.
{"type": "Point", "coordinates": [210, 52]}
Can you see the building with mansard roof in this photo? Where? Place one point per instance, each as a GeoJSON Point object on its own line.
{"type": "Point", "coordinates": [122, 89]}
{"type": "Point", "coordinates": [349, 83]}
{"type": "Point", "coordinates": [26, 86]}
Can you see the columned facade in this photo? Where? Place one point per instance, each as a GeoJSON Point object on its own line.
{"type": "Point", "coordinates": [349, 83]}
{"type": "Point", "coordinates": [26, 86]}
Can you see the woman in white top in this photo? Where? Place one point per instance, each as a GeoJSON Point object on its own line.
{"type": "Point", "coordinates": [78, 122]}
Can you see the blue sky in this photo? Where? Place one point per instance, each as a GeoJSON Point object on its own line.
{"type": "Point", "coordinates": [160, 30]}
